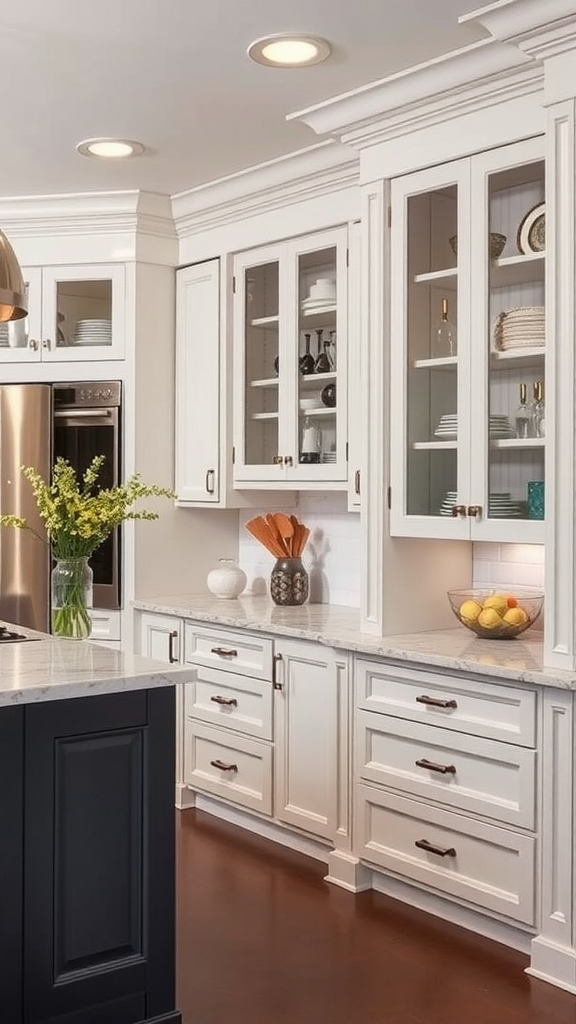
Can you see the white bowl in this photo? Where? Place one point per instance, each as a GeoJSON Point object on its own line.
{"type": "Point", "coordinates": [310, 403]}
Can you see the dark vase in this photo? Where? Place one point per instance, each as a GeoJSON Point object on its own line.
{"type": "Point", "coordinates": [328, 395]}
{"type": "Point", "coordinates": [289, 584]}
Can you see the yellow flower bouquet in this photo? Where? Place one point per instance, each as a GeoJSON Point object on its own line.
{"type": "Point", "coordinates": [79, 516]}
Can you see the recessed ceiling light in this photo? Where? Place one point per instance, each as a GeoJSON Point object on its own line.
{"type": "Point", "coordinates": [289, 51]}
{"type": "Point", "coordinates": [110, 149]}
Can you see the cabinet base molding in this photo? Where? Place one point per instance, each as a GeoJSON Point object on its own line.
{"type": "Point", "coordinates": [267, 829]}
{"type": "Point", "coordinates": [183, 797]}
{"type": "Point", "coordinates": [345, 870]}
{"type": "Point", "coordinates": [472, 920]}
{"type": "Point", "coordinates": [553, 963]}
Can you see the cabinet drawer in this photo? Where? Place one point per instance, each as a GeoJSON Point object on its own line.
{"type": "Point", "coordinates": [230, 650]}
{"type": "Point", "coordinates": [465, 705]}
{"type": "Point", "coordinates": [230, 701]}
{"type": "Point", "coordinates": [466, 772]}
{"type": "Point", "coordinates": [242, 772]}
{"type": "Point", "coordinates": [485, 865]}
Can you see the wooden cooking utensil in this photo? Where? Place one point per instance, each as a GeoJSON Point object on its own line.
{"type": "Point", "coordinates": [275, 531]}
{"type": "Point", "coordinates": [259, 528]}
{"type": "Point", "coordinates": [286, 531]}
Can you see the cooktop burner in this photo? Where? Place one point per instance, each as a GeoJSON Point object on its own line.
{"type": "Point", "coordinates": [8, 637]}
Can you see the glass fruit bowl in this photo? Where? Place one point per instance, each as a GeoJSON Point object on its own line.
{"type": "Point", "coordinates": [496, 614]}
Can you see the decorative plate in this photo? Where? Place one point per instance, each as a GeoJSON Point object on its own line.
{"type": "Point", "coordinates": [531, 236]}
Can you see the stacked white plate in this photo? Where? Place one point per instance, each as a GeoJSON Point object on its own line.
{"type": "Point", "coordinates": [522, 327]}
{"type": "Point", "coordinates": [447, 429]}
{"type": "Point", "coordinates": [328, 457]}
{"type": "Point", "coordinates": [310, 306]}
{"type": "Point", "coordinates": [501, 506]}
{"type": "Point", "coordinates": [93, 332]}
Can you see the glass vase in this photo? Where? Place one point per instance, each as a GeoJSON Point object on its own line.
{"type": "Point", "coordinates": [71, 595]}
{"type": "Point", "coordinates": [289, 583]}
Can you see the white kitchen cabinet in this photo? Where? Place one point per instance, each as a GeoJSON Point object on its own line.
{"type": "Point", "coordinates": [310, 686]}
{"type": "Point", "coordinates": [355, 404]}
{"type": "Point", "coordinates": [161, 637]}
{"type": "Point", "coordinates": [467, 331]}
{"type": "Point", "coordinates": [75, 314]}
{"type": "Point", "coordinates": [290, 363]}
{"type": "Point", "coordinates": [446, 784]}
{"type": "Point", "coordinates": [198, 383]}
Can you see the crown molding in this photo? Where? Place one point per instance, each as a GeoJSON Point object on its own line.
{"type": "Point", "coordinates": [435, 86]}
{"type": "Point", "coordinates": [540, 30]}
{"type": "Point", "coordinates": [96, 213]}
{"type": "Point", "coordinates": [306, 174]}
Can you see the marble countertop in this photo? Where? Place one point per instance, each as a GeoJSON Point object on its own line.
{"type": "Point", "coordinates": [51, 669]}
{"type": "Point", "coordinates": [519, 660]}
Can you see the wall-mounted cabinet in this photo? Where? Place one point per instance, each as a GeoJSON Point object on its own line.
{"type": "Point", "coordinates": [75, 314]}
{"type": "Point", "coordinates": [290, 350]}
{"type": "Point", "coordinates": [468, 259]}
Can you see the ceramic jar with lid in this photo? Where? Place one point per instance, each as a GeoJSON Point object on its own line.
{"type": "Point", "coordinates": [227, 580]}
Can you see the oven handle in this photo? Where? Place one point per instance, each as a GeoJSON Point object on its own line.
{"type": "Point", "coordinates": [81, 413]}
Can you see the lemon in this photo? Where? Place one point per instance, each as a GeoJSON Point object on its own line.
{"type": "Point", "coordinates": [498, 602]}
{"type": "Point", "coordinates": [469, 611]}
{"type": "Point", "coordinates": [515, 616]}
{"type": "Point", "coordinates": [489, 618]}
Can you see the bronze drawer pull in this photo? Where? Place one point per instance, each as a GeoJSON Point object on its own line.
{"type": "Point", "coordinates": [223, 766]}
{"type": "Point", "coordinates": [435, 702]}
{"type": "Point", "coordinates": [459, 510]}
{"type": "Point", "coordinates": [229, 702]}
{"type": "Point", "coordinates": [224, 652]}
{"type": "Point", "coordinates": [441, 851]}
{"type": "Point", "coordinates": [209, 481]}
{"type": "Point", "coordinates": [172, 636]}
{"type": "Point", "coordinates": [444, 769]}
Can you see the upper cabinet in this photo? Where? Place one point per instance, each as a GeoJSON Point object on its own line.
{"type": "Point", "coordinates": [468, 388]}
{"type": "Point", "coordinates": [290, 351]}
{"type": "Point", "coordinates": [198, 383]}
{"type": "Point", "coordinates": [75, 314]}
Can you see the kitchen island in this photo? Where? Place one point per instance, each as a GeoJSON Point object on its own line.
{"type": "Point", "coordinates": [87, 848]}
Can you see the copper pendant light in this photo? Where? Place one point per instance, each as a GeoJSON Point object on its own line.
{"type": "Point", "coordinates": [13, 302]}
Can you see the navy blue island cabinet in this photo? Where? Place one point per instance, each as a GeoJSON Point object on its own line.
{"type": "Point", "coordinates": [87, 870]}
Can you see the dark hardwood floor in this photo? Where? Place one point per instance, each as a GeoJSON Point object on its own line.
{"type": "Point", "coordinates": [262, 939]}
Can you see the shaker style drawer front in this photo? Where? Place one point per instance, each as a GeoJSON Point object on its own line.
{"type": "Point", "coordinates": [471, 706]}
{"type": "Point", "coordinates": [230, 701]}
{"type": "Point", "coordinates": [235, 767]}
{"type": "Point", "coordinates": [230, 651]}
{"type": "Point", "coordinates": [488, 866]}
{"type": "Point", "coordinates": [465, 772]}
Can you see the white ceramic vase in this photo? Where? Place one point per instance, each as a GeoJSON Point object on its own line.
{"type": "Point", "coordinates": [227, 580]}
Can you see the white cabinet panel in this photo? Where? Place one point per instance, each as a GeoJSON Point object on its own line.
{"type": "Point", "coordinates": [452, 853]}
{"type": "Point", "coordinates": [229, 765]}
{"type": "Point", "coordinates": [198, 383]}
{"type": "Point", "coordinates": [229, 650]}
{"type": "Point", "coordinates": [161, 637]}
{"type": "Point", "coordinates": [231, 701]}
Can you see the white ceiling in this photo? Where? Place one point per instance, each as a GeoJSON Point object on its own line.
{"type": "Point", "coordinates": [174, 75]}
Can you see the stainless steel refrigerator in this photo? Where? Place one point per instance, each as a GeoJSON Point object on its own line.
{"type": "Point", "coordinates": [25, 440]}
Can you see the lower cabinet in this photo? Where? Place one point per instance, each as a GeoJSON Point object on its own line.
{"type": "Point", "coordinates": [446, 787]}
{"type": "Point", "coordinates": [263, 720]}
{"type": "Point", "coordinates": [87, 860]}
{"type": "Point", "coordinates": [161, 637]}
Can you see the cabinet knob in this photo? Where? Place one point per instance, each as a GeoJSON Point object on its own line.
{"type": "Point", "coordinates": [474, 510]}
{"type": "Point", "coordinates": [278, 460]}
{"type": "Point", "coordinates": [287, 460]}
{"type": "Point", "coordinates": [357, 482]}
{"type": "Point", "coordinates": [458, 510]}
{"type": "Point", "coordinates": [209, 482]}
{"type": "Point", "coordinates": [46, 343]}
{"type": "Point", "coordinates": [33, 344]}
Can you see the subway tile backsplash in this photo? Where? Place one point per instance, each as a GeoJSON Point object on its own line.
{"type": "Point", "coordinates": [332, 555]}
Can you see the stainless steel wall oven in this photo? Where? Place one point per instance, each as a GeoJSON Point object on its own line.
{"type": "Point", "coordinates": [87, 422]}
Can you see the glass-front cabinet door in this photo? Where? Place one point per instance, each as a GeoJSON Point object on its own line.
{"type": "Point", "coordinates": [467, 319]}
{"type": "Point", "coordinates": [290, 362]}
{"type": "Point", "coordinates": [75, 314]}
